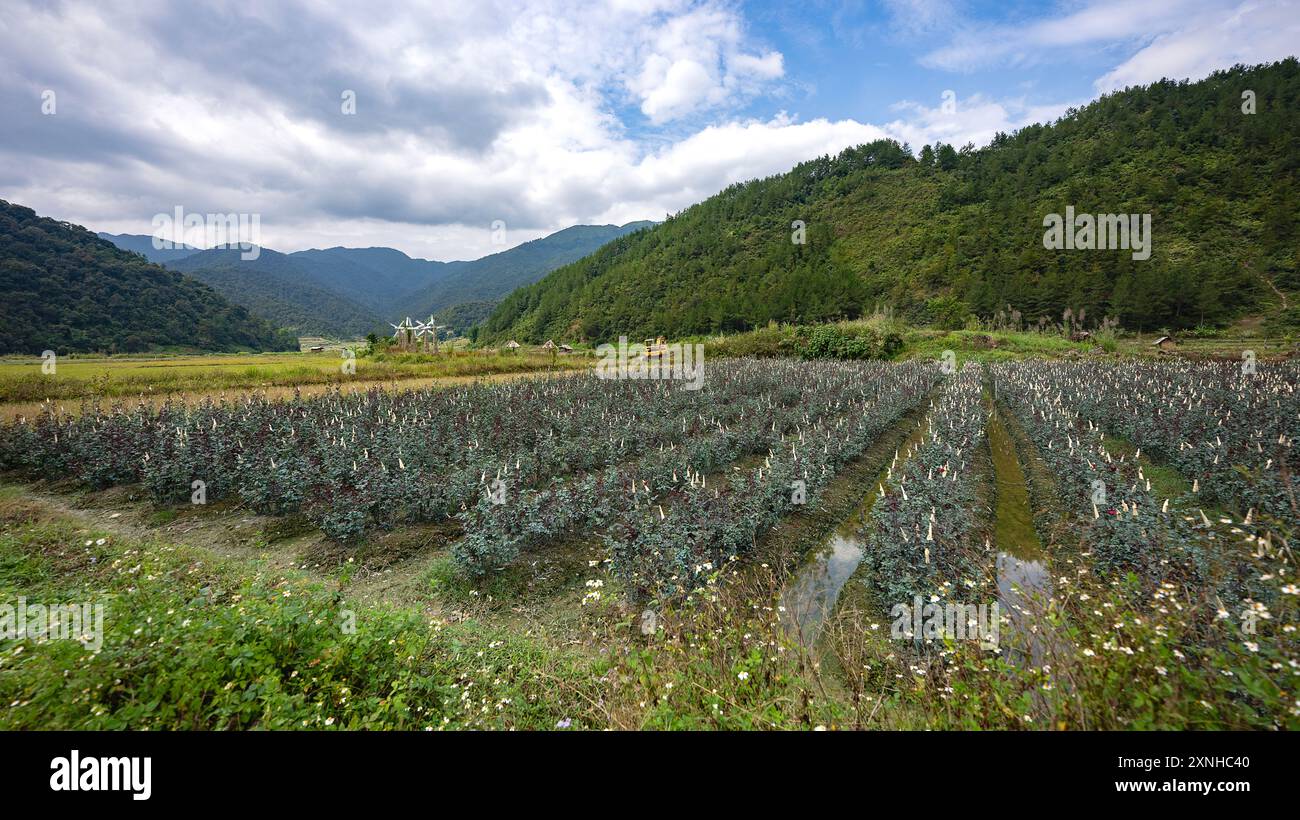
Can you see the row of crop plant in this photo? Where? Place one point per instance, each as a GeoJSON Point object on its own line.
{"type": "Point", "coordinates": [1121, 524]}
{"type": "Point", "coordinates": [923, 536]}
{"type": "Point", "coordinates": [671, 539]}
{"type": "Point", "coordinates": [1229, 427]}
{"type": "Point", "coordinates": [353, 463]}
{"type": "Point", "coordinates": [509, 518]}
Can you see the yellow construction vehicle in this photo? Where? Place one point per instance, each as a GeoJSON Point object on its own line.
{"type": "Point", "coordinates": [656, 348]}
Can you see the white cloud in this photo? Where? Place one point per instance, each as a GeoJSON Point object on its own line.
{"type": "Point", "coordinates": [976, 120]}
{"type": "Point", "coordinates": [1253, 32]}
{"type": "Point", "coordinates": [698, 59]}
{"type": "Point", "coordinates": [461, 119]}
{"type": "Point", "coordinates": [706, 162]}
{"type": "Point", "coordinates": [673, 90]}
{"type": "Point", "coordinates": [1095, 23]}
{"type": "Point", "coordinates": [511, 113]}
{"type": "Point", "coordinates": [914, 17]}
{"type": "Point", "coordinates": [768, 67]}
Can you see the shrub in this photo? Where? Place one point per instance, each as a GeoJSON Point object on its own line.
{"type": "Point", "coordinates": [947, 312]}
{"type": "Point", "coordinates": [846, 341]}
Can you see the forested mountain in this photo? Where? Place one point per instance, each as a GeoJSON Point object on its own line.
{"type": "Point", "coordinates": [461, 318]}
{"type": "Point", "coordinates": [280, 290]}
{"type": "Point", "coordinates": [67, 290]}
{"type": "Point", "coordinates": [374, 277]}
{"type": "Point", "coordinates": [953, 232]}
{"type": "Point", "coordinates": [348, 292]}
{"type": "Point", "coordinates": [490, 278]}
{"type": "Point", "coordinates": [143, 245]}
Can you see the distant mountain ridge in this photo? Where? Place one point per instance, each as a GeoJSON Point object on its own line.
{"type": "Point", "coordinates": [492, 278]}
{"type": "Point", "coordinates": [67, 290]}
{"type": "Point", "coordinates": [275, 287]}
{"type": "Point", "coordinates": [349, 292]}
{"type": "Point", "coordinates": [143, 245]}
{"type": "Point", "coordinates": [373, 277]}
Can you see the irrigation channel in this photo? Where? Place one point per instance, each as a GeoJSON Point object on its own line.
{"type": "Point", "coordinates": [1024, 584]}
{"type": "Point", "coordinates": [811, 596]}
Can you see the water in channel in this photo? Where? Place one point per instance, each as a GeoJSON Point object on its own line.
{"type": "Point", "coordinates": [1024, 585]}
{"type": "Point", "coordinates": [811, 595]}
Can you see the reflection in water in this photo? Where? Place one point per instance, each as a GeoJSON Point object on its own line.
{"type": "Point", "coordinates": [1024, 585]}
{"type": "Point", "coordinates": [812, 594]}
{"type": "Point", "coordinates": [1023, 591]}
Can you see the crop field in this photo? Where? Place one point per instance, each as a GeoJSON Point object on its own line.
{"type": "Point", "coordinates": [628, 544]}
{"type": "Point", "coordinates": [353, 464]}
{"type": "Point", "coordinates": [24, 383]}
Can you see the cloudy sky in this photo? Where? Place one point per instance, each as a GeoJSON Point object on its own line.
{"type": "Point", "coordinates": [540, 114]}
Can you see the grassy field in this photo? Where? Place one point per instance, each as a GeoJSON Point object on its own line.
{"type": "Point", "coordinates": [22, 380]}
{"type": "Point", "coordinates": [884, 338]}
{"type": "Point", "coordinates": [77, 377]}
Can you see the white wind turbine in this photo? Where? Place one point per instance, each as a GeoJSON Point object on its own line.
{"type": "Point", "coordinates": [403, 331]}
{"type": "Point", "coordinates": [432, 327]}
{"type": "Point", "coordinates": [420, 330]}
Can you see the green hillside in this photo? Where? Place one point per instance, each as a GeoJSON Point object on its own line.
{"type": "Point", "coordinates": [949, 233]}
{"type": "Point", "coordinates": [67, 290]}
{"type": "Point", "coordinates": [461, 318]}
{"type": "Point", "coordinates": [143, 245]}
{"type": "Point", "coordinates": [491, 278]}
{"type": "Point", "coordinates": [278, 289]}
{"type": "Point", "coordinates": [375, 278]}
